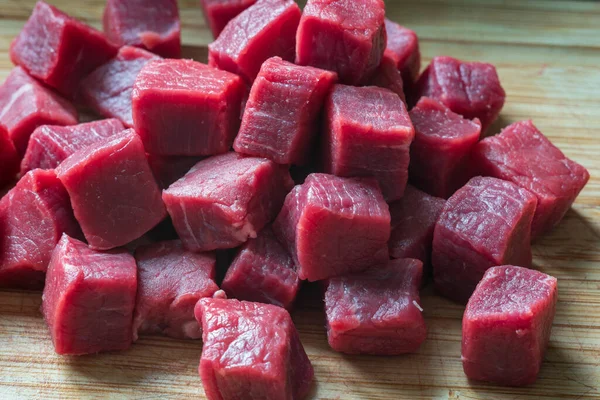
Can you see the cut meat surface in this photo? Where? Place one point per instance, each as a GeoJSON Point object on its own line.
{"type": "Point", "coordinates": [403, 47]}
{"type": "Point", "coordinates": [168, 170]}
{"type": "Point", "coordinates": [251, 350]}
{"type": "Point", "coordinates": [332, 226]}
{"type": "Point", "coordinates": [507, 324]}
{"type": "Point", "coordinates": [388, 76]}
{"type": "Point", "coordinates": [89, 298]}
{"type": "Point", "coordinates": [217, 13]}
{"type": "Point", "coordinates": [282, 113]}
{"type": "Point", "coordinates": [377, 311]}
{"type": "Point", "coordinates": [9, 158]}
{"type": "Point", "coordinates": [484, 224]}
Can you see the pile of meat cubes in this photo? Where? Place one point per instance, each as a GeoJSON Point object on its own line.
{"type": "Point", "coordinates": [119, 220]}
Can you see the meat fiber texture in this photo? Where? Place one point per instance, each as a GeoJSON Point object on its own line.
{"type": "Point", "coordinates": [264, 30]}
{"type": "Point", "coordinates": [9, 158]}
{"type": "Point", "coordinates": [484, 224]}
{"type": "Point", "coordinates": [108, 89]}
{"type": "Point", "coordinates": [217, 13]}
{"type": "Point", "coordinates": [377, 311]}
{"type": "Point", "coordinates": [263, 271]}
{"type": "Point", "coordinates": [281, 118]}
{"type": "Point", "coordinates": [439, 155]}
{"type": "Point", "coordinates": [388, 76]}
{"type": "Point", "coordinates": [89, 298]}
{"type": "Point", "coordinates": [332, 226]}
{"type": "Point", "coordinates": [25, 104]}
{"type": "Point", "coordinates": [251, 350]}
{"type": "Point", "coordinates": [185, 108]}
{"type": "Point", "coordinates": [113, 193]}
{"type": "Point", "coordinates": [150, 24]}
{"type": "Point", "coordinates": [507, 324]}
{"type": "Point", "coordinates": [33, 216]}
{"type": "Point", "coordinates": [168, 170]}
{"type": "Point", "coordinates": [403, 47]}
{"type": "Point", "coordinates": [368, 133]}
{"type": "Point", "coordinates": [59, 50]}
{"type": "Point", "coordinates": [225, 200]}
{"type": "Point", "coordinates": [171, 280]}
{"type": "Point", "coordinates": [523, 155]}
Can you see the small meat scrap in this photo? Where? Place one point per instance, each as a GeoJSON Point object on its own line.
{"type": "Point", "coordinates": [523, 155]}
{"type": "Point", "coordinates": [217, 13]}
{"type": "Point", "coordinates": [403, 47]}
{"type": "Point", "coordinates": [484, 224]}
{"type": "Point", "coordinates": [388, 76]}
{"type": "Point", "coordinates": [332, 226]}
{"type": "Point", "coordinates": [506, 325]}
{"type": "Point", "coordinates": [89, 298]}
{"type": "Point", "coordinates": [281, 118]}
{"type": "Point", "coordinates": [9, 158]}
{"type": "Point", "coordinates": [168, 170]}
{"type": "Point", "coordinates": [251, 350]}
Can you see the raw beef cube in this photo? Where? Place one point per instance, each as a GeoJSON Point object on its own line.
{"type": "Point", "coordinates": [217, 13]}
{"type": "Point", "coordinates": [282, 113]}
{"type": "Point", "coordinates": [25, 104]}
{"type": "Point", "coordinates": [345, 36]}
{"type": "Point", "coordinates": [403, 47]}
{"type": "Point", "coordinates": [185, 108]}
{"type": "Point", "coordinates": [523, 155]}
{"type": "Point", "coordinates": [506, 326]}
{"type": "Point", "coordinates": [263, 271]}
{"type": "Point", "coordinates": [151, 24]}
{"type": "Point", "coordinates": [376, 311]}
{"type": "Point", "coordinates": [59, 50]}
{"type": "Point", "coordinates": [484, 224]}
{"type": "Point", "coordinates": [168, 170]}
{"type": "Point", "coordinates": [264, 30]}
{"type": "Point", "coordinates": [89, 298]}
{"type": "Point", "coordinates": [368, 133]}
{"type": "Point", "coordinates": [251, 350]}
{"type": "Point", "coordinates": [388, 76]}
{"type": "Point", "coordinates": [49, 145]}
{"type": "Point", "coordinates": [108, 89]}
{"type": "Point", "coordinates": [225, 200]}
{"type": "Point", "coordinates": [9, 158]}
{"type": "Point", "coordinates": [471, 89]}
{"type": "Point", "coordinates": [332, 226]}
{"type": "Point", "coordinates": [171, 280]}
{"type": "Point", "coordinates": [112, 190]}
{"type": "Point", "coordinates": [439, 155]}
{"type": "Point", "coordinates": [33, 216]}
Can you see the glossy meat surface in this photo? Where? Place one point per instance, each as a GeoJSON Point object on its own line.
{"type": "Point", "coordinates": [388, 76]}
{"type": "Point", "coordinates": [404, 47]}
{"type": "Point", "coordinates": [217, 13]}
{"type": "Point", "coordinates": [9, 158]}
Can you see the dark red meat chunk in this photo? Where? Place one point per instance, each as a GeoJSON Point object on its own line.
{"type": "Point", "coordinates": [168, 170]}
{"type": "Point", "coordinates": [403, 47]}
{"type": "Point", "coordinates": [217, 13]}
{"type": "Point", "coordinates": [388, 76]}
{"type": "Point", "coordinates": [9, 158]}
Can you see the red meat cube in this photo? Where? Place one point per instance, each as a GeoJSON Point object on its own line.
{"type": "Point", "coordinates": [9, 158]}
{"type": "Point", "coordinates": [25, 104]}
{"type": "Point", "coordinates": [150, 24]}
{"type": "Point", "coordinates": [263, 271]}
{"type": "Point", "coordinates": [168, 170]}
{"type": "Point", "coordinates": [264, 30]}
{"type": "Point", "coordinates": [332, 226]}
{"type": "Point", "coordinates": [59, 50]}
{"type": "Point", "coordinates": [171, 280]}
{"type": "Point", "coordinates": [506, 326]}
{"type": "Point", "coordinates": [368, 133]}
{"type": "Point", "coordinates": [523, 155]}
{"type": "Point", "coordinates": [185, 108]}
{"type": "Point", "coordinates": [345, 36]}
{"type": "Point", "coordinates": [376, 311]}
{"type": "Point", "coordinates": [439, 155]}
{"type": "Point", "coordinates": [112, 190]}
{"type": "Point", "coordinates": [108, 89]}
{"type": "Point", "coordinates": [484, 224]}
{"type": "Point", "coordinates": [282, 112]}
{"type": "Point", "coordinates": [49, 145]}
{"type": "Point", "coordinates": [225, 200]}
{"type": "Point", "coordinates": [403, 47]}
{"type": "Point", "coordinates": [89, 298]}
{"type": "Point", "coordinates": [251, 350]}
{"type": "Point", "coordinates": [33, 216]}
{"type": "Point", "coordinates": [217, 13]}
{"type": "Point", "coordinates": [388, 76]}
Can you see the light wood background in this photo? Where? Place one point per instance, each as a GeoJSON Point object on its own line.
{"type": "Point", "coordinates": [548, 57]}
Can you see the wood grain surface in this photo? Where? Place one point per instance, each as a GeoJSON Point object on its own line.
{"type": "Point", "coordinates": [548, 57]}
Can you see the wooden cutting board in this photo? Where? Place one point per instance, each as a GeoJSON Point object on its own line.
{"type": "Point", "coordinates": [548, 57]}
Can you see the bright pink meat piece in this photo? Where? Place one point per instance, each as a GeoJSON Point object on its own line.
{"type": "Point", "coordinates": [484, 224]}
{"type": "Point", "coordinates": [368, 133]}
{"type": "Point", "coordinates": [59, 50]}
{"type": "Point", "coordinates": [89, 298]}
{"type": "Point", "coordinates": [439, 155]}
{"type": "Point", "coordinates": [9, 158]}
{"type": "Point", "coordinates": [264, 30]}
{"type": "Point", "coordinates": [168, 170]}
{"type": "Point", "coordinates": [251, 350]}
{"type": "Point", "coordinates": [217, 13]}
{"type": "Point", "coordinates": [388, 76]}
{"type": "Point", "coordinates": [523, 155]}
{"type": "Point", "coordinates": [506, 326]}
{"type": "Point", "coordinates": [403, 47]}
{"type": "Point", "coordinates": [282, 112]}
{"type": "Point", "coordinates": [225, 200]}
{"type": "Point", "coordinates": [112, 190]}
{"type": "Point", "coordinates": [171, 280]}
{"type": "Point", "coordinates": [333, 226]}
